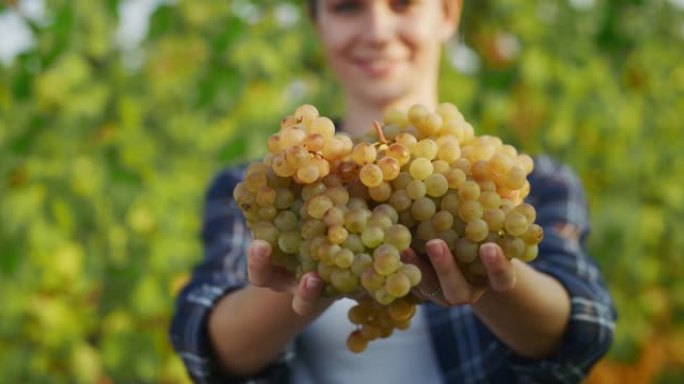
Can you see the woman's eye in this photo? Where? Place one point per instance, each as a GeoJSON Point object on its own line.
{"type": "Point", "coordinates": [346, 6]}
{"type": "Point", "coordinates": [402, 5]}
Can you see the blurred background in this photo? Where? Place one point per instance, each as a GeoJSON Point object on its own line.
{"type": "Point", "coordinates": [115, 114]}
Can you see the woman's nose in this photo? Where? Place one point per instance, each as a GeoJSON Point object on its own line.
{"type": "Point", "coordinates": [381, 23]}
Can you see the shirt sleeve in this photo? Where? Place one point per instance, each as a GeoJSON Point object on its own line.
{"type": "Point", "coordinates": [563, 213]}
{"type": "Point", "coordinates": [223, 269]}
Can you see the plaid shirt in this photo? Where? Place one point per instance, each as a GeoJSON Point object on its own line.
{"type": "Point", "coordinates": [467, 351]}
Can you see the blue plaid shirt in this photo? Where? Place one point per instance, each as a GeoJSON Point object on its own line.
{"type": "Point", "coordinates": [467, 351]}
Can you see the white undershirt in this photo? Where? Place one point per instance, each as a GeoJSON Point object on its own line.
{"type": "Point", "coordinates": [405, 357]}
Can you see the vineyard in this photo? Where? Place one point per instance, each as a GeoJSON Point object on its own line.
{"type": "Point", "coordinates": [106, 150]}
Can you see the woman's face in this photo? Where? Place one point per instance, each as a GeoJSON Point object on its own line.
{"type": "Point", "coordinates": [384, 50]}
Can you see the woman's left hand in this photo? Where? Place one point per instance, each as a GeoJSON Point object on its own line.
{"type": "Point", "coordinates": [443, 281]}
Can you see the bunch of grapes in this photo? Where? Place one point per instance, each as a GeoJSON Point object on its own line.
{"type": "Point", "coordinates": [348, 209]}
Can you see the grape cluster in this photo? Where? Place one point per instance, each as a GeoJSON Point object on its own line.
{"type": "Point", "coordinates": [347, 209]}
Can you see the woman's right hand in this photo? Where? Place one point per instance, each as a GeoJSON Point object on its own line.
{"type": "Point", "coordinates": [306, 294]}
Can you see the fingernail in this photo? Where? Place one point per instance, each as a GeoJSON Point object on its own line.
{"type": "Point", "coordinates": [488, 253]}
{"type": "Point", "coordinates": [313, 282]}
{"type": "Point", "coordinates": [435, 247]}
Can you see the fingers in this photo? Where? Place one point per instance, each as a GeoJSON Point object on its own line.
{"type": "Point", "coordinates": [428, 280]}
{"type": "Point", "coordinates": [307, 297]}
{"type": "Point", "coordinates": [260, 270]}
{"type": "Point", "coordinates": [455, 287]}
{"type": "Point", "coordinates": [499, 269]}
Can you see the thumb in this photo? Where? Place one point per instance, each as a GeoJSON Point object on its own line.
{"type": "Point", "coordinates": [309, 291]}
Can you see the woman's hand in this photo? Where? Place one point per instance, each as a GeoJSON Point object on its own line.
{"type": "Point", "coordinates": [444, 283]}
{"type": "Point", "coordinates": [307, 293]}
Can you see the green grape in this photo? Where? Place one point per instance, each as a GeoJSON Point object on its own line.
{"type": "Point", "coordinates": [359, 314]}
{"type": "Point", "coordinates": [480, 170]}
{"type": "Point", "coordinates": [305, 112]}
{"type": "Point", "coordinates": [354, 243]}
{"type": "Point", "coordinates": [425, 230]}
{"type": "Point", "coordinates": [528, 211]}
{"type": "Point", "coordinates": [494, 218]}
{"type": "Point", "coordinates": [421, 168]}
{"type": "Point", "coordinates": [533, 235]}
{"type": "Point", "coordinates": [334, 216]}
{"type": "Point", "coordinates": [266, 231]}
{"type": "Point", "coordinates": [296, 156]}
{"type": "Point", "coordinates": [285, 221]}
{"type": "Point", "coordinates": [400, 200]}
{"type": "Point", "coordinates": [423, 209]}
{"type": "Point", "coordinates": [426, 148]}
{"type": "Point", "coordinates": [398, 236]}
{"type": "Point", "coordinates": [490, 199]}
{"type": "Point", "coordinates": [311, 190]}
{"type": "Point", "coordinates": [343, 280]}
{"type": "Point", "coordinates": [386, 259]}
{"type": "Point", "coordinates": [337, 234]}
{"type": "Point", "coordinates": [466, 251]}
{"type": "Point", "coordinates": [361, 262]}
{"type": "Point", "coordinates": [380, 193]}
{"type": "Point", "coordinates": [383, 297]}
{"type": "Point", "coordinates": [398, 152]}
{"type": "Point", "coordinates": [318, 206]}
{"type": "Point", "coordinates": [455, 178]}
{"type": "Point", "coordinates": [344, 258]}
{"type": "Point", "coordinates": [364, 153]}
{"type": "Point", "coordinates": [436, 185]}
{"type": "Point", "coordinates": [440, 166]}
{"type": "Point", "coordinates": [387, 210]}
{"type": "Point", "coordinates": [370, 175]}
{"type": "Point", "coordinates": [513, 247]}
{"type": "Point", "coordinates": [516, 223]}
{"type": "Point", "coordinates": [449, 150]}
{"type": "Point", "coordinates": [314, 142]}
{"type": "Point", "coordinates": [401, 181]}
{"type": "Point", "coordinates": [432, 124]}
{"type": "Point", "coordinates": [289, 242]}
{"type": "Point", "coordinates": [372, 280]}
{"type": "Point", "coordinates": [372, 236]}
{"type": "Point", "coordinates": [322, 126]}
{"type": "Point", "coordinates": [401, 310]}
{"type": "Point", "coordinates": [390, 168]}
{"type": "Point", "coordinates": [338, 195]}
{"type": "Point", "coordinates": [268, 213]}
{"type": "Point", "coordinates": [284, 198]}
{"type": "Point", "coordinates": [476, 230]}
{"type": "Point", "coordinates": [291, 136]}
{"type": "Point", "coordinates": [530, 253]}
{"type": "Point", "coordinates": [449, 236]}
{"type": "Point", "coordinates": [515, 178]}
{"type": "Point", "coordinates": [442, 220]}
{"type": "Point", "coordinates": [450, 202]}
{"type": "Point", "coordinates": [355, 219]}
{"type": "Point", "coordinates": [406, 139]}
{"type": "Point", "coordinates": [470, 210]}
{"type": "Point", "coordinates": [412, 272]}
{"type": "Point", "coordinates": [416, 189]}
{"type": "Point", "coordinates": [500, 163]}
{"type": "Point", "coordinates": [397, 284]}
{"type": "Point", "coordinates": [417, 114]}
{"type": "Point", "coordinates": [469, 191]}
{"type": "Point", "coordinates": [312, 228]}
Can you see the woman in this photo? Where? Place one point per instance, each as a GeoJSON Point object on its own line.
{"type": "Point", "coordinates": [549, 321]}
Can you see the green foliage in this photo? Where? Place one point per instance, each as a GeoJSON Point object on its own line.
{"type": "Point", "coordinates": [105, 154]}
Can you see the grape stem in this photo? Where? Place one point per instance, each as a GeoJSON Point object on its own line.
{"type": "Point", "coordinates": [378, 131]}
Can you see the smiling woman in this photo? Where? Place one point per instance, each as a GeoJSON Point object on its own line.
{"type": "Point", "coordinates": [241, 317]}
{"type": "Point", "coordinates": [384, 53]}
